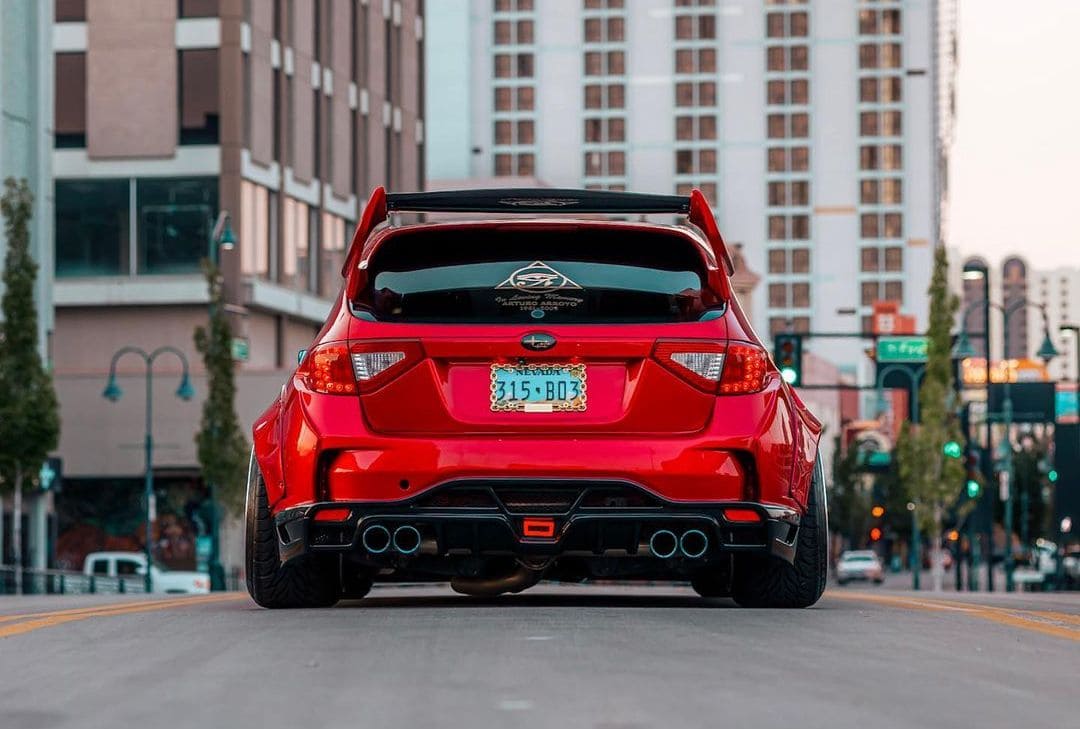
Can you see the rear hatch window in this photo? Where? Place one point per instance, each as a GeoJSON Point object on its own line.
{"type": "Point", "coordinates": [550, 276]}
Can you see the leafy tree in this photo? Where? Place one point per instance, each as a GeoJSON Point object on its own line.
{"type": "Point", "coordinates": [223, 450]}
{"type": "Point", "coordinates": [849, 501]}
{"type": "Point", "coordinates": [932, 479]}
{"type": "Point", "coordinates": [29, 417]}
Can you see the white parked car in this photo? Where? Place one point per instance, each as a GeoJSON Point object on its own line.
{"type": "Point", "coordinates": [859, 565]}
{"type": "Point", "coordinates": [132, 566]}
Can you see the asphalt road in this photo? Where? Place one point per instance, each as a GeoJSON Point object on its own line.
{"type": "Point", "coordinates": [557, 656]}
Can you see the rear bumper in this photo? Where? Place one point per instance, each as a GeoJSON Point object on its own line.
{"type": "Point", "coordinates": [582, 527]}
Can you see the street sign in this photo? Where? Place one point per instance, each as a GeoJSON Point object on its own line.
{"type": "Point", "coordinates": [901, 349]}
{"type": "Point", "coordinates": [241, 348]}
{"type": "Point", "coordinates": [1066, 405]}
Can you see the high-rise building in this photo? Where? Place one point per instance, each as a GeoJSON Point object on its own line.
{"type": "Point", "coordinates": [1014, 290]}
{"type": "Point", "coordinates": [283, 114]}
{"type": "Point", "coordinates": [26, 135]}
{"type": "Point", "coordinates": [1058, 290]}
{"type": "Point", "coordinates": [818, 129]}
{"type": "Point", "coordinates": [26, 153]}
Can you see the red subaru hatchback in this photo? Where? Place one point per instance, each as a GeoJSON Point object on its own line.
{"type": "Point", "coordinates": [499, 402]}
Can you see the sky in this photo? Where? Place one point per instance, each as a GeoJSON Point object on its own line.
{"type": "Point", "coordinates": [1015, 166]}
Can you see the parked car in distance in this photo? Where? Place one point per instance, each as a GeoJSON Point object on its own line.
{"type": "Point", "coordinates": [132, 566]}
{"type": "Point", "coordinates": [859, 565]}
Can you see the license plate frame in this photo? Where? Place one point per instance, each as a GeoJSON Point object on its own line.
{"type": "Point", "coordinates": [562, 405]}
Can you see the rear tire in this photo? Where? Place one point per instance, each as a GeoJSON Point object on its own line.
{"type": "Point", "coordinates": [769, 582]}
{"type": "Point", "coordinates": [305, 582]}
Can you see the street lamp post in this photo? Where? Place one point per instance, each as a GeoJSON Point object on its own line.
{"type": "Point", "coordinates": [1046, 352]}
{"type": "Point", "coordinates": [113, 393]}
{"type": "Point", "coordinates": [221, 238]}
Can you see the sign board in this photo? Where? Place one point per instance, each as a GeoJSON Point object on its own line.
{"type": "Point", "coordinates": [241, 348]}
{"type": "Point", "coordinates": [901, 349]}
{"type": "Point", "coordinates": [1066, 404]}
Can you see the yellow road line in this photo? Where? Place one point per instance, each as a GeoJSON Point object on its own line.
{"type": "Point", "coordinates": [1034, 620]}
{"type": "Point", "coordinates": [28, 622]}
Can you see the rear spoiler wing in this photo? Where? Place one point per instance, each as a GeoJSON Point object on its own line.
{"type": "Point", "coordinates": [538, 200]}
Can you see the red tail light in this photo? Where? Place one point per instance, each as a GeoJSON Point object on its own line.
{"type": "Point", "coordinates": [337, 368]}
{"type": "Point", "coordinates": [732, 368]}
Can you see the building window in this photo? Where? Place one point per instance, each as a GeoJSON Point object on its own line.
{"type": "Point", "coordinates": [198, 90]}
{"type": "Point", "coordinates": [894, 258]}
{"type": "Point", "coordinates": [92, 227]}
{"type": "Point", "coordinates": [199, 8]}
{"type": "Point", "coordinates": [800, 192]}
{"type": "Point", "coordinates": [778, 295]}
{"type": "Point", "coordinates": [869, 260]}
{"type": "Point", "coordinates": [800, 295]}
{"type": "Point", "coordinates": [70, 11]}
{"type": "Point", "coordinates": [778, 261]}
{"type": "Point", "coordinates": [175, 217]}
{"type": "Point", "coordinates": [70, 100]}
{"type": "Point", "coordinates": [800, 260]}
{"type": "Point", "coordinates": [894, 290]}
{"type": "Point", "coordinates": [869, 292]}
{"type": "Point", "coordinates": [800, 91]}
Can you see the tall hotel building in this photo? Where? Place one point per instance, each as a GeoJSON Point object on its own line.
{"type": "Point", "coordinates": [819, 130]}
{"type": "Point", "coordinates": [283, 113]}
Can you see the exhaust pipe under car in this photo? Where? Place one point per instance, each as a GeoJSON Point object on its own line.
{"type": "Point", "coordinates": [663, 543]}
{"type": "Point", "coordinates": [693, 543]}
{"type": "Point", "coordinates": [376, 539]}
{"type": "Point", "coordinates": [407, 539]}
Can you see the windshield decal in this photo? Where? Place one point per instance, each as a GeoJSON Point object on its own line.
{"type": "Point", "coordinates": [537, 278]}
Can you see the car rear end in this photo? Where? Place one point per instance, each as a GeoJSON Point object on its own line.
{"type": "Point", "coordinates": [498, 401]}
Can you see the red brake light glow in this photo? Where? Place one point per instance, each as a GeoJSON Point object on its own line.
{"type": "Point", "coordinates": [340, 369]}
{"type": "Point", "coordinates": [328, 369]}
{"type": "Point", "coordinates": [734, 368]}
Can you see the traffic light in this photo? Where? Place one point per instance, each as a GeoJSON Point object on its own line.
{"type": "Point", "coordinates": [875, 534]}
{"type": "Point", "coordinates": [788, 354]}
{"type": "Point", "coordinates": [952, 449]}
{"type": "Point", "coordinates": [972, 477]}
{"type": "Point", "coordinates": [877, 512]}
{"type": "Point", "coordinates": [1052, 475]}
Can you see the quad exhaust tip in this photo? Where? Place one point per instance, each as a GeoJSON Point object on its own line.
{"type": "Point", "coordinates": [407, 539]}
{"type": "Point", "coordinates": [663, 543]}
{"type": "Point", "coordinates": [376, 539]}
{"type": "Point", "coordinates": [693, 543]}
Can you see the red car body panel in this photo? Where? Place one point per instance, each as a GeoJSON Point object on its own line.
{"type": "Point", "coordinates": [430, 423]}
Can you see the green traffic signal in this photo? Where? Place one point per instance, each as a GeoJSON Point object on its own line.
{"type": "Point", "coordinates": [972, 488]}
{"type": "Point", "coordinates": [952, 449]}
{"type": "Point", "coordinates": [1052, 475]}
{"type": "Point", "coordinates": [787, 353]}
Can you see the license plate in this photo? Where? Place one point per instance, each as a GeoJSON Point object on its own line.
{"type": "Point", "coordinates": [537, 388]}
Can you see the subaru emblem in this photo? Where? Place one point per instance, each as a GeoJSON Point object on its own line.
{"type": "Point", "coordinates": [538, 342]}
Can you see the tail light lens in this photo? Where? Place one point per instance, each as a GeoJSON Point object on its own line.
{"type": "Point", "coordinates": [732, 368]}
{"type": "Point", "coordinates": [338, 368]}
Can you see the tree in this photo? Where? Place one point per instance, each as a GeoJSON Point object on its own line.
{"type": "Point", "coordinates": [932, 479]}
{"type": "Point", "coordinates": [849, 500]}
{"type": "Point", "coordinates": [222, 448]}
{"type": "Point", "coordinates": [29, 417]}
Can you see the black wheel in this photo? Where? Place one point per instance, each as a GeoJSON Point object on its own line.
{"type": "Point", "coordinates": [304, 582]}
{"type": "Point", "coordinates": [773, 583]}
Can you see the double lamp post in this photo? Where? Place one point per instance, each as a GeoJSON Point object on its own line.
{"type": "Point", "coordinates": [964, 350]}
{"type": "Point", "coordinates": [221, 239]}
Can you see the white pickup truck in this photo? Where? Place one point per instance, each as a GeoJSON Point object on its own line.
{"type": "Point", "coordinates": [132, 566]}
